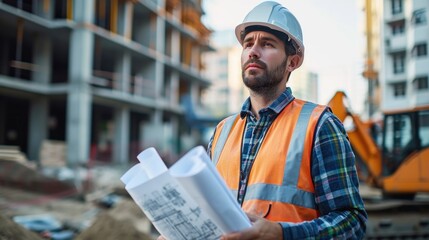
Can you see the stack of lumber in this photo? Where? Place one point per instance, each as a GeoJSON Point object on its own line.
{"type": "Point", "coordinates": [53, 153]}
{"type": "Point", "coordinates": [9, 152]}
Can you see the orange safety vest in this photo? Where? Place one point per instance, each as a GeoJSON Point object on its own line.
{"type": "Point", "coordinates": [280, 185]}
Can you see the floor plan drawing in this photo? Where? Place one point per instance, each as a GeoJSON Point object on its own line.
{"type": "Point", "coordinates": [170, 210]}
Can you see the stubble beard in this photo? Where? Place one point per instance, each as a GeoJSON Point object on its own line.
{"type": "Point", "coordinates": [266, 83]}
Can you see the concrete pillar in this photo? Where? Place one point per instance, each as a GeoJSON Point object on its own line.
{"type": "Point", "coordinates": [123, 72]}
{"type": "Point", "coordinates": [195, 57]}
{"type": "Point", "coordinates": [79, 98]}
{"type": "Point", "coordinates": [161, 4]}
{"type": "Point", "coordinates": [177, 11]}
{"type": "Point", "coordinates": [122, 135]}
{"type": "Point", "coordinates": [38, 127]}
{"type": "Point", "coordinates": [125, 19]}
{"type": "Point", "coordinates": [159, 79]}
{"type": "Point", "coordinates": [153, 132]}
{"type": "Point", "coordinates": [175, 47]}
{"type": "Point", "coordinates": [160, 35]}
{"type": "Point", "coordinates": [160, 48]}
{"type": "Point", "coordinates": [175, 148]}
{"type": "Point", "coordinates": [174, 86]}
{"type": "Point", "coordinates": [83, 11]}
{"type": "Point", "coordinates": [194, 92]}
{"type": "Point", "coordinates": [42, 59]}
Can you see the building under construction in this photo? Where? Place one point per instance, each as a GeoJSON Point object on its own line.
{"type": "Point", "coordinates": [106, 77]}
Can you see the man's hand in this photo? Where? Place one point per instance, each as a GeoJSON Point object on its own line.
{"type": "Point", "coordinates": [261, 229]}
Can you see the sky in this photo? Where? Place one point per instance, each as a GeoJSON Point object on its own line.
{"type": "Point", "coordinates": [333, 38]}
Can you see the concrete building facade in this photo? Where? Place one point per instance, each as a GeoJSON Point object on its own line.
{"type": "Point", "coordinates": [405, 59]}
{"type": "Point", "coordinates": [107, 77]}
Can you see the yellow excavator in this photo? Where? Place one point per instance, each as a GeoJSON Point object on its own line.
{"type": "Point", "coordinates": [399, 164]}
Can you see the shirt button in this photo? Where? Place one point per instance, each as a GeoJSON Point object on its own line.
{"type": "Point", "coordinates": [242, 177]}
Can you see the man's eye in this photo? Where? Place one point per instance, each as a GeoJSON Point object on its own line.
{"type": "Point", "coordinates": [248, 45]}
{"type": "Point", "coordinates": [267, 44]}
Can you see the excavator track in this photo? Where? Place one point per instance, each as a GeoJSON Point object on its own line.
{"type": "Point", "coordinates": [397, 219]}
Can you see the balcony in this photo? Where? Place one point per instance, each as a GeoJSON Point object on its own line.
{"type": "Point", "coordinates": [418, 66]}
{"type": "Point", "coordinates": [392, 17]}
{"type": "Point", "coordinates": [396, 43]}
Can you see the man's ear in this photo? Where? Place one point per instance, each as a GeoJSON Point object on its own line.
{"type": "Point", "coordinates": [293, 62]}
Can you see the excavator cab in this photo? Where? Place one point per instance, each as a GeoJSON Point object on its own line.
{"type": "Point", "coordinates": [404, 133]}
{"type": "Point", "coordinates": [405, 150]}
{"type": "Point", "coordinates": [400, 139]}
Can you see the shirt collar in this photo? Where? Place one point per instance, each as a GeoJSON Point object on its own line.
{"type": "Point", "coordinates": [275, 107]}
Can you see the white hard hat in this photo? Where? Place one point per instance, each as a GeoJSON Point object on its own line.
{"type": "Point", "coordinates": [275, 16]}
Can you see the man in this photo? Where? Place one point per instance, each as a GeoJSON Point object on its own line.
{"type": "Point", "coordinates": [289, 162]}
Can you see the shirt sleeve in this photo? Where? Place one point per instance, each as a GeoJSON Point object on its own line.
{"type": "Point", "coordinates": [342, 212]}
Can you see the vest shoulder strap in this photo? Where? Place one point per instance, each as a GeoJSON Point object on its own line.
{"type": "Point", "coordinates": [229, 122]}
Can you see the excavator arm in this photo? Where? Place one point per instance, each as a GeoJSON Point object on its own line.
{"type": "Point", "coordinates": [360, 138]}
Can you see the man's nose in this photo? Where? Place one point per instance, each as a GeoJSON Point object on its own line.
{"type": "Point", "coordinates": [254, 52]}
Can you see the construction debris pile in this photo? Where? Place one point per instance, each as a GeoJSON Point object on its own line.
{"type": "Point", "coordinates": [34, 205]}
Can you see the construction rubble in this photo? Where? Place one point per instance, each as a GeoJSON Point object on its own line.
{"type": "Point", "coordinates": [59, 203]}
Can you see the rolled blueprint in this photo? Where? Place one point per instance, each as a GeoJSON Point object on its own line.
{"type": "Point", "coordinates": [187, 201]}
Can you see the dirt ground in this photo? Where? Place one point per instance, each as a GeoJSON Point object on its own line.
{"type": "Point", "coordinates": [10, 230]}
{"type": "Point", "coordinates": [25, 191]}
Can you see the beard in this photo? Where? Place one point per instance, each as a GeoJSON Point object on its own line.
{"type": "Point", "coordinates": [266, 82]}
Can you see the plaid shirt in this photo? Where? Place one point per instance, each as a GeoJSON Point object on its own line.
{"type": "Point", "coordinates": [334, 175]}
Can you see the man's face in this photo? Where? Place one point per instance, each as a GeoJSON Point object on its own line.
{"type": "Point", "coordinates": [263, 61]}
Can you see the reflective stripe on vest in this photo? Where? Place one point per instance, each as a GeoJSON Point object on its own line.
{"type": "Point", "coordinates": [222, 137]}
{"type": "Point", "coordinates": [286, 194]}
{"type": "Point", "coordinates": [297, 146]}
